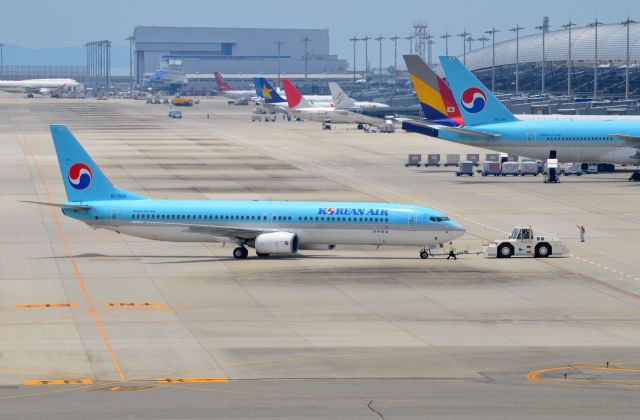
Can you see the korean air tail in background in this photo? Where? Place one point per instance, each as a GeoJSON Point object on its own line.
{"type": "Point", "coordinates": [477, 104]}
{"type": "Point", "coordinates": [82, 178]}
{"type": "Point", "coordinates": [266, 91]}
{"type": "Point", "coordinates": [433, 93]}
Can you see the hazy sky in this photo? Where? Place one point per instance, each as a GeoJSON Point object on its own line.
{"type": "Point", "coordinates": [70, 23]}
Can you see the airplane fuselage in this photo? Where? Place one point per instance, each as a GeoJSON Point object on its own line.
{"type": "Point", "coordinates": [574, 141]}
{"type": "Point", "coordinates": [315, 223]}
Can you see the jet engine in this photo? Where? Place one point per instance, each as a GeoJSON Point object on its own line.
{"type": "Point", "coordinates": [277, 243]}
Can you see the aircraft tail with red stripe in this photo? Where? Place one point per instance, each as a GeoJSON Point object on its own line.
{"type": "Point", "coordinates": [435, 96]}
{"type": "Point", "coordinates": [222, 84]}
{"type": "Point", "coordinates": [294, 97]}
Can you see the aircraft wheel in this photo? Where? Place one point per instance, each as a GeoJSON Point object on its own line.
{"type": "Point", "coordinates": [505, 251]}
{"type": "Point", "coordinates": [424, 254]}
{"type": "Point", "coordinates": [240, 253]}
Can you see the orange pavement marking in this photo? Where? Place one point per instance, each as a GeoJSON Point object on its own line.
{"type": "Point", "coordinates": [191, 380]}
{"type": "Point", "coordinates": [48, 305]}
{"type": "Point", "coordinates": [59, 382]}
{"type": "Point", "coordinates": [79, 279]}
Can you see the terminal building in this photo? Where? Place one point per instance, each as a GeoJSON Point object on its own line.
{"type": "Point", "coordinates": [232, 51]}
{"type": "Point", "coordinates": [611, 62]}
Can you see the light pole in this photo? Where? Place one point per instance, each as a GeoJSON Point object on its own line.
{"type": "Point", "coordinates": [1, 59]}
{"type": "Point", "coordinates": [306, 57]}
{"type": "Point", "coordinates": [410, 39]}
{"type": "Point", "coordinates": [483, 39]}
{"type": "Point", "coordinates": [279, 44]}
{"type": "Point", "coordinates": [544, 27]}
{"type": "Point", "coordinates": [429, 39]}
{"type": "Point", "coordinates": [366, 55]}
{"type": "Point", "coordinates": [469, 41]}
{"type": "Point", "coordinates": [570, 63]}
{"type": "Point", "coordinates": [464, 36]}
{"type": "Point", "coordinates": [595, 25]}
{"type": "Point", "coordinates": [517, 30]}
{"type": "Point", "coordinates": [446, 37]}
{"type": "Point", "coordinates": [380, 38]}
{"type": "Point", "coordinates": [130, 39]}
{"type": "Point", "coordinates": [627, 23]}
{"type": "Point", "coordinates": [354, 40]}
{"type": "Point", "coordinates": [395, 39]}
{"type": "Point", "coordinates": [492, 32]}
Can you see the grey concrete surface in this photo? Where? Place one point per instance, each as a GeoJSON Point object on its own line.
{"type": "Point", "coordinates": [321, 334]}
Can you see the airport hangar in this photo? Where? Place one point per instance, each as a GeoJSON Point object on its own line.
{"type": "Point", "coordinates": [612, 47]}
{"type": "Point", "coordinates": [232, 50]}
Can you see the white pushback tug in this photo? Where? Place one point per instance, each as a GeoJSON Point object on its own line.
{"type": "Point", "coordinates": [523, 243]}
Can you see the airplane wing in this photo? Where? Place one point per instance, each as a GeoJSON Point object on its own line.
{"type": "Point", "coordinates": [471, 133]}
{"type": "Point", "coordinates": [631, 141]}
{"type": "Point", "coordinates": [59, 205]}
{"type": "Point", "coordinates": [230, 232]}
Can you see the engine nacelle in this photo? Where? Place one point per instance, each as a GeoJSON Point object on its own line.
{"type": "Point", "coordinates": [277, 243]}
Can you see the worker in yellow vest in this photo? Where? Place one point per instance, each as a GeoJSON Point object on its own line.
{"type": "Point", "coordinates": [452, 251]}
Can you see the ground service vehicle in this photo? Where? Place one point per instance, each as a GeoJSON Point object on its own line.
{"type": "Point", "coordinates": [181, 101]}
{"type": "Point", "coordinates": [523, 243]}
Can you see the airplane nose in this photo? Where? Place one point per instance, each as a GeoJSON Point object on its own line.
{"type": "Point", "coordinates": [456, 230]}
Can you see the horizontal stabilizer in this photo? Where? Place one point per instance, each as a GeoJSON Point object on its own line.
{"type": "Point", "coordinates": [59, 205]}
{"type": "Point", "coordinates": [471, 133]}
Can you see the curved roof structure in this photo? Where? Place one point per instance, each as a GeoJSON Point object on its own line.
{"type": "Point", "coordinates": [612, 45]}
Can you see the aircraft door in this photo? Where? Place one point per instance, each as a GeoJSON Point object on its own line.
{"type": "Point", "coordinates": [531, 139]}
{"type": "Point", "coordinates": [412, 221]}
{"type": "Point", "coordinates": [115, 217]}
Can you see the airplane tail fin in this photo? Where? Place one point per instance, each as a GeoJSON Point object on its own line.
{"type": "Point", "coordinates": [82, 178]}
{"type": "Point", "coordinates": [266, 91]}
{"type": "Point", "coordinates": [294, 97]}
{"type": "Point", "coordinates": [433, 93]}
{"type": "Point", "coordinates": [476, 102]}
{"type": "Point", "coordinates": [222, 84]}
{"type": "Point", "coordinates": [340, 98]}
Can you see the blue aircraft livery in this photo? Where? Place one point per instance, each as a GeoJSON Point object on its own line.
{"type": "Point", "coordinates": [270, 227]}
{"type": "Point", "coordinates": [489, 124]}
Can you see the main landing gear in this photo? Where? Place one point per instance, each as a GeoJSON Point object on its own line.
{"type": "Point", "coordinates": [240, 253]}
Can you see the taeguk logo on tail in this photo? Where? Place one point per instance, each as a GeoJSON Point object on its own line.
{"type": "Point", "coordinates": [473, 100]}
{"type": "Point", "coordinates": [80, 176]}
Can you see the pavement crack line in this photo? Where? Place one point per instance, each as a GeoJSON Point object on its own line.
{"type": "Point", "coordinates": [370, 405]}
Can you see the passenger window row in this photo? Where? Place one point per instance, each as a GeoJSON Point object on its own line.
{"type": "Point", "coordinates": [152, 216]}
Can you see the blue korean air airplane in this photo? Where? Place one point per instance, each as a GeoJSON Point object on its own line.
{"type": "Point", "coordinates": [488, 123]}
{"type": "Point", "coordinates": [271, 227]}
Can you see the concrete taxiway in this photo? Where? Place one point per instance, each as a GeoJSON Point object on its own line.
{"type": "Point", "coordinates": [89, 318]}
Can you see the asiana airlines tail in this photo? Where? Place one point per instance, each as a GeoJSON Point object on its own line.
{"type": "Point", "coordinates": [270, 227]}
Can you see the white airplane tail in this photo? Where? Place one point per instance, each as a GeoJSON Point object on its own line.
{"type": "Point", "coordinates": [340, 98]}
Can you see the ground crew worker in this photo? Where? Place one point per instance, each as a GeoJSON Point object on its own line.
{"type": "Point", "coordinates": [452, 251]}
{"type": "Point", "coordinates": [581, 230]}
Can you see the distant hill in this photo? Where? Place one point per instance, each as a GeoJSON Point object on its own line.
{"type": "Point", "coordinates": [64, 56]}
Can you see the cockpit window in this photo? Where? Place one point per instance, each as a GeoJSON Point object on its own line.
{"type": "Point", "coordinates": [439, 219]}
